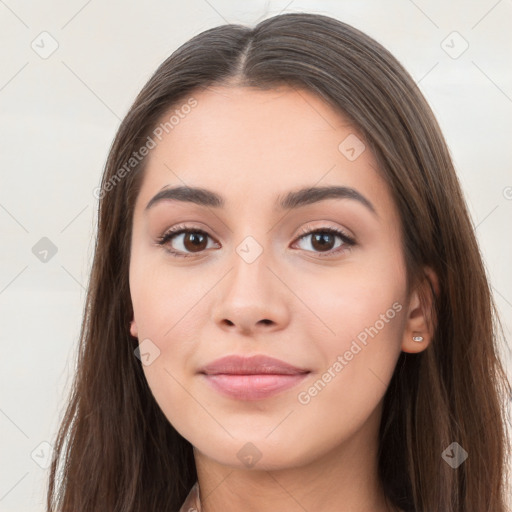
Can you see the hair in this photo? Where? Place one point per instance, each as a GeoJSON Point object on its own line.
{"type": "Point", "coordinates": [116, 451]}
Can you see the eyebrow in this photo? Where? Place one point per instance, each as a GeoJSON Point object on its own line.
{"type": "Point", "coordinates": [290, 201]}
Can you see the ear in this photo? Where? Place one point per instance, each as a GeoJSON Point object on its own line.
{"type": "Point", "coordinates": [133, 329]}
{"type": "Point", "coordinates": [420, 321]}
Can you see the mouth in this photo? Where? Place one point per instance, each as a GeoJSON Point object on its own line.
{"type": "Point", "coordinates": [252, 387]}
{"type": "Point", "coordinates": [252, 378]}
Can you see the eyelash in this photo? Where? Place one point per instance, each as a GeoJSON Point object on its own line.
{"type": "Point", "coordinates": [348, 242]}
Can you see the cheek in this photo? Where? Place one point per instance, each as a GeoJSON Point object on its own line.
{"type": "Point", "coordinates": [171, 371]}
{"type": "Point", "coordinates": [363, 344]}
{"type": "Point", "coordinates": [164, 298]}
{"type": "Point", "coordinates": [357, 328]}
{"type": "Point", "coordinates": [165, 320]}
{"type": "Point", "coordinates": [359, 361]}
{"type": "Point", "coordinates": [345, 302]}
{"type": "Point", "coordinates": [166, 303]}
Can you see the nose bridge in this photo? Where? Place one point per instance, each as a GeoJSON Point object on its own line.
{"type": "Point", "coordinates": [252, 245]}
{"type": "Point", "coordinates": [250, 293]}
{"type": "Point", "coordinates": [250, 275]}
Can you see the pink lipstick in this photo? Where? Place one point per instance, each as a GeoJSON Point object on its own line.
{"type": "Point", "coordinates": [252, 378]}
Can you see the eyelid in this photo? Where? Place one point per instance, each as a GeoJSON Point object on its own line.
{"type": "Point", "coordinates": [175, 231]}
{"type": "Point", "coordinates": [348, 241]}
{"type": "Point", "coordinates": [308, 229]}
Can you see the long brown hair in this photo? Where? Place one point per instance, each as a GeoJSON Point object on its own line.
{"type": "Point", "coordinates": [116, 451]}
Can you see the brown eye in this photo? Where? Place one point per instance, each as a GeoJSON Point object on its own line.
{"type": "Point", "coordinates": [194, 241]}
{"type": "Point", "coordinates": [323, 240]}
{"type": "Point", "coordinates": [181, 241]}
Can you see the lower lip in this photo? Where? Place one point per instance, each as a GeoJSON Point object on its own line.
{"type": "Point", "coordinates": [253, 387]}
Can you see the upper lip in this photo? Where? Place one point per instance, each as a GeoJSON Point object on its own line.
{"type": "Point", "coordinates": [253, 365]}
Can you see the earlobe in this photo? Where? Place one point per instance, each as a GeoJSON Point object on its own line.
{"type": "Point", "coordinates": [420, 324]}
{"type": "Point", "coordinates": [417, 342]}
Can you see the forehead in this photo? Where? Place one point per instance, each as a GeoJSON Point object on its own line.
{"type": "Point", "coordinates": [251, 145]}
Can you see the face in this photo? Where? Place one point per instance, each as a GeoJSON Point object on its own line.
{"type": "Point", "coordinates": [314, 280]}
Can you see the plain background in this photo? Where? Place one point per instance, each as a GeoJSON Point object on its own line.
{"type": "Point", "coordinates": [59, 114]}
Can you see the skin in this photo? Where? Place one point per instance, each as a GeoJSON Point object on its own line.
{"type": "Point", "coordinates": [251, 146]}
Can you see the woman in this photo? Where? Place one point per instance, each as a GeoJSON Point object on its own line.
{"type": "Point", "coordinates": [287, 308]}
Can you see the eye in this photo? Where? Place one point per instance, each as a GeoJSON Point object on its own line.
{"type": "Point", "coordinates": [323, 238]}
{"type": "Point", "coordinates": [190, 240]}
{"type": "Point", "coordinates": [187, 239]}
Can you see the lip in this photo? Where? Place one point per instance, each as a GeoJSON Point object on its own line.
{"type": "Point", "coordinates": [253, 365]}
{"type": "Point", "coordinates": [251, 378]}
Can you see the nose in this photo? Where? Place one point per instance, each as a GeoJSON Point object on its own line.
{"type": "Point", "coordinates": [252, 297]}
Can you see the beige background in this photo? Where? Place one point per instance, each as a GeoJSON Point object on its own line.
{"type": "Point", "coordinates": [59, 113]}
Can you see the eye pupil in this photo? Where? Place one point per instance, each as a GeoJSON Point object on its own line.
{"type": "Point", "coordinates": [323, 240]}
{"type": "Point", "coordinates": [197, 241]}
